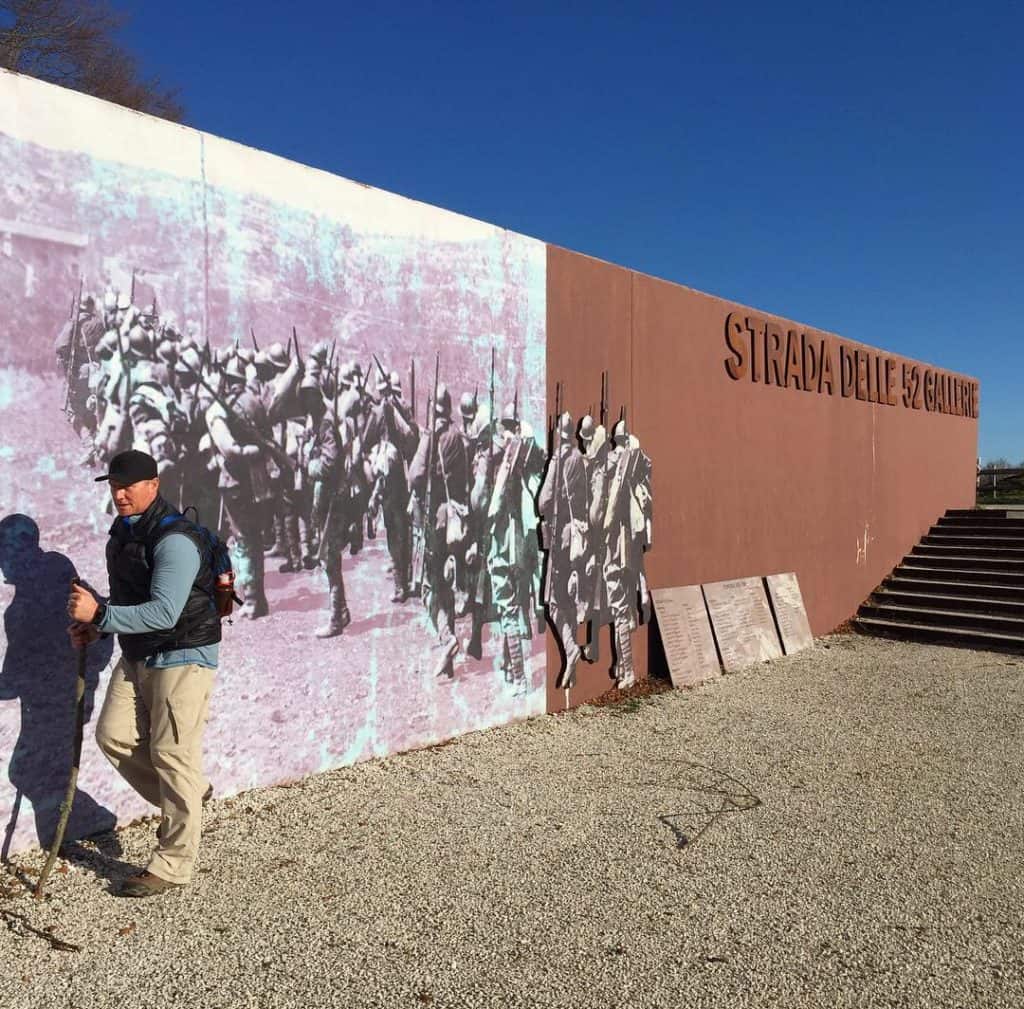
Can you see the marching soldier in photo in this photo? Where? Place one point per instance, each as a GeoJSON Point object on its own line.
{"type": "Point", "coordinates": [509, 563]}
{"type": "Point", "coordinates": [350, 408]}
{"type": "Point", "coordinates": [331, 469]}
{"type": "Point", "coordinates": [438, 476]}
{"type": "Point", "coordinates": [276, 385]}
{"type": "Point", "coordinates": [75, 348]}
{"type": "Point", "coordinates": [483, 456]}
{"type": "Point", "coordinates": [301, 436]}
{"type": "Point", "coordinates": [563, 506]}
{"type": "Point", "coordinates": [627, 534]}
{"type": "Point", "coordinates": [295, 495]}
{"type": "Point", "coordinates": [390, 442]}
{"type": "Point", "coordinates": [196, 468]}
{"type": "Point", "coordinates": [152, 411]}
{"type": "Point", "coordinates": [235, 422]}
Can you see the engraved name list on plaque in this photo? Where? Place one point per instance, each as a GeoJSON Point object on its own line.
{"type": "Point", "coordinates": [743, 623]}
{"type": "Point", "coordinates": [686, 635]}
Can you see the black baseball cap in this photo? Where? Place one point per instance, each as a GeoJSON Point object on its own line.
{"type": "Point", "coordinates": [129, 467]}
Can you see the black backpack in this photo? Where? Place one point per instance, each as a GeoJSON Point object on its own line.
{"type": "Point", "coordinates": [224, 595]}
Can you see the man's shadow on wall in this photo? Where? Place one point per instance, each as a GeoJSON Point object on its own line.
{"type": "Point", "coordinates": [40, 670]}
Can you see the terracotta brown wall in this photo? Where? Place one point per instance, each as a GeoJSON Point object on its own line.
{"type": "Point", "coordinates": [749, 478]}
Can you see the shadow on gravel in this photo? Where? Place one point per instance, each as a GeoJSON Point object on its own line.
{"type": "Point", "coordinates": [710, 795]}
{"type": "Point", "coordinates": [100, 857]}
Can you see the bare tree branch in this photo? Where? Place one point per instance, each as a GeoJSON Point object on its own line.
{"type": "Point", "coordinates": [73, 43]}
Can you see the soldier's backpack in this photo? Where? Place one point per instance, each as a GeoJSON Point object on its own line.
{"type": "Point", "coordinates": [220, 561]}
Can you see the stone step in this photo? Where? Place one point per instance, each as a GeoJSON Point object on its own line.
{"type": "Point", "coordinates": [904, 582]}
{"type": "Point", "coordinates": [963, 584]}
{"type": "Point", "coordinates": [896, 596]}
{"type": "Point", "coordinates": [917, 567]}
{"type": "Point", "coordinates": [973, 512]}
{"type": "Point", "coordinates": [958, 636]}
{"type": "Point", "coordinates": [978, 533]}
{"type": "Point", "coordinates": [945, 618]}
{"type": "Point", "coordinates": [1010, 526]}
{"type": "Point", "coordinates": [925, 558]}
{"type": "Point", "coordinates": [987, 541]}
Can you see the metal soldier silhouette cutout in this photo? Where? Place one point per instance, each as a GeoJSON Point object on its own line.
{"type": "Point", "coordinates": [596, 514]}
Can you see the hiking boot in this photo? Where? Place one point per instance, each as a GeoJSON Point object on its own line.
{"type": "Point", "coordinates": [145, 884]}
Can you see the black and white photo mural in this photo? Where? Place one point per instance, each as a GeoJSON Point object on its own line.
{"type": "Point", "coordinates": [596, 509]}
{"type": "Point", "coordinates": [348, 386]}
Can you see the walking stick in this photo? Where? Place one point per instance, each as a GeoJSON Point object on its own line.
{"type": "Point", "coordinates": [12, 823]}
{"type": "Point", "coordinates": [76, 759]}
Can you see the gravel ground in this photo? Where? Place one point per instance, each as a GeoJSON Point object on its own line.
{"type": "Point", "coordinates": [841, 828]}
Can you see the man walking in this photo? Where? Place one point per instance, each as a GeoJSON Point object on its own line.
{"type": "Point", "coordinates": [162, 607]}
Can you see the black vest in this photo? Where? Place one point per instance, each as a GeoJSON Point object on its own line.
{"type": "Point", "coordinates": [130, 569]}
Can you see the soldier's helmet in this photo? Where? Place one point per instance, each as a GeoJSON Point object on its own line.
{"type": "Point", "coordinates": [620, 433]}
{"type": "Point", "coordinates": [383, 383]}
{"type": "Point", "coordinates": [357, 373]}
{"type": "Point", "coordinates": [88, 305]}
{"type": "Point", "coordinates": [310, 380]}
{"type": "Point", "coordinates": [510, 417]}
{"type": "Point", "coordinates": [110, 299]}
{"type": "Point", "coordinates": [468, 405]}
{"type": "Point", "coordinates": [247, 355]}
{"type": "Point", "coordinates": [150, 310]}
{"type": "Point", "coordinates": [170, 324]}
{"type": "Point", "coordinates": [277, 356]}
{"type": "Point", "coordinates": [345, 375]}
{"type": "Point", "coordinates": [565, 426]}
{"type": "Point", "coordinates": [395, 381]}
{"type": "Point", "coordinates": [234, 368]}
{"type": "Point", "coordinates": [587, 429]}
{"type": "Point", "coordinates": [319, 352]}
{"type": "Point", "coordinates": [189, 363]}
{"type": "Point", "coordinates": [124, 302]}
{"type": "Point", "coordinates": [443, 402]}
{"type": "Point", "coordinates": [262, 362]}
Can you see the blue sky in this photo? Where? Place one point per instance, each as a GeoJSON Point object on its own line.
{"type": "Point", "coordinates": [859, 170]}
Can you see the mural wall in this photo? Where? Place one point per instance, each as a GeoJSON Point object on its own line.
{"type": "Point", "coordinates": [284, 342]}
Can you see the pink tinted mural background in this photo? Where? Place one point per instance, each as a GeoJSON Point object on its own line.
{"type": "Point", "coordinates": [227, 238]}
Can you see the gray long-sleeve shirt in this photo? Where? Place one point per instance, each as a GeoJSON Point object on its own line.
{"type": "Point", "coordinates": [175, 566]}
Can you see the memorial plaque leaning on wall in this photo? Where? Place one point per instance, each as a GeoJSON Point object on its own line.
{"type": "Point", "coordinates": [790, 615]}
{"type": "Point", "coordinates": [742, 621]}
{"type": "Point", "coordinates": [686, 635]}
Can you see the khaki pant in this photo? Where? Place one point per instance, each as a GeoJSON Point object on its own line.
{"type": "Point", "coordinates": [151, 730]}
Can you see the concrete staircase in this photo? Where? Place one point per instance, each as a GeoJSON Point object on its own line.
{"type": "Point", "coordinates": [963, 584]}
